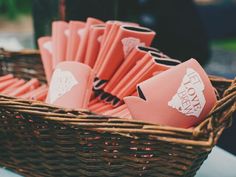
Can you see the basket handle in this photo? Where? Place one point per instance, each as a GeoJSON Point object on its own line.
{"type": "Point", "coordinates": [221, 114]}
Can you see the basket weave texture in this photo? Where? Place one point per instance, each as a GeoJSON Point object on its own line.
{"type": "Point", "coordinates": [37, 139]}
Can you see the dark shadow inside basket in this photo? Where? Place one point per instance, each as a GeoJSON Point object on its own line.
{"type": "Point", "coordinates": [137, 29]}
{"type": "Point", "coordinates": [140, 93]}
{"type": "Point", "coordinates": [147, 49]}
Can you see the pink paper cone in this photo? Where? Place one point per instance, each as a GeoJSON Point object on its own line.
{"type": "Point", "coordinates": [180, 97]}
{"type": "Point", "coordinates": [27, 87]}
{"type": "Point", "coordinates": [45, 47]}
{"type": "Point", "coordinates": [136, 54]}
{"type": "Point", "coordinates": [80, 56]}
{"type": "Point", "coordinates": [94, 41]}
{"type": "Point", "coordinates": [59, 41]}
{"type": "Point", "coordinates": [126, 39]}
{"type": "Point", "coordinates": [71, 85]}
{"type": "Point", "coordinates": [74, 39]}
{"type": "Point", "coordinates": [11, 88]}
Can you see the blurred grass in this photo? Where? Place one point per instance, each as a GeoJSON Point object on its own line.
{"type": "Point", "coordinates": [11, 9]}
{"type": "Point", "coordinates": [227, 44]}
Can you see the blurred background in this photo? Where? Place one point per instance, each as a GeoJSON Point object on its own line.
{"type": "Point", "coordinates": [21, 22]}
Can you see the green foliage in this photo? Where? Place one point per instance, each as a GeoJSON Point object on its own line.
{"type": "Point", "coordinates": [12, 8]}
{"type": "Point", "coordinates": [228, 44]}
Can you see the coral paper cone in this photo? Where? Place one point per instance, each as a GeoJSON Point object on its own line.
{"type": "Point", "coordinates": [74, 38]}
{"type": "Point", "coordinates": [27, 87]}
{"type": "Point", "coordinates": [181, 97]}
{"type": "Point", "coordinates": [11, 88]}
{"type": "Point", "coordinates": [45, 47]}
{"type": "Point", "coordinates": [7, 83]}
{"type": "Point", "coordinates": [80, 56]}
{"type": "Point", "coordinates": [59, 41]}
{"type": "Point", "coordinates": [126, 39]}
{"type": "Point", "coordinates": [132, 73]}
{"type": "Point", "coordinates": [154, 66]}
{"type": "Point", "coordinates": [71, 85]}
{"type": "Point", "coordinates": [104, 108]}
{"type": "Point", "coordinates": [6, 77]}
{"type": "Point", "coordinates": [136, 54]}
{"type": "Point", "coordinates": [94, 41]}
{"type": "Point", "coordinates": [110, 32]}
{"type": "Point", "coordinates": [34, 93]}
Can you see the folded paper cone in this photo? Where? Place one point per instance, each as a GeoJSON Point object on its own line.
{"type": "Point", "coordinates": [96, 105]}
{"type": "Point", "coordinates": [110, 32]}
{"type": "Point", "coordinates": [126, 39]}
{"type": "Point", "coordinates": [181, 97]}
{"type": "Point", "coordinates": [93, 101]}
{"type": "Point", "coordinates": [45, 47]}
{"type": "Point", "coordinates": [132, 73]}
{"type": "Point", "coordinates": [7, 83]}
{"type": "Point", "coordinates": [108, 26]}
{"type": "Point", "coordinates": [14, 86]}
{"type": "Point", "coordinates": [80, 56]}
{"type": "Point", "coordinates": [108, 38]}
{"type": "Point", "coordinates": [103, 108]}
{"type": "Point", "coordinates": [42, 95]}
{"type": "Point", "coordinates": [6, 77]}
{"type": "Point", "coordinates": [123, 114]}
{"type": "Point", "coordinates": [27, 87]}
{"type": "Point", "coordinates": [118, 109]}
{"type": "Point", "coordinates": [59, 41]}
{"type": "Point", "coordinates": [153, 67]}
{"type": "Point", "coordinates": [71, 85]}
{"type": "Point", "coordinates": [93, 46]}
{"type": "Point", "coordinates": [74, 38]}
{"type": "Point", "coordinates": [136, 54]}
{"type": "Point", "coordinates": [33, 93]}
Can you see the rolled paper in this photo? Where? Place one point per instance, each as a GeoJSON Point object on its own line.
{"type": "Point", "coordinates": [6, 77]}
{"type": "Point", "coordinates": [71, 85]}
{"type": "Point", "coordinates": [132, 73]}
{"type": "Point", "coordinates": [126, 39]}
{"type": "Point", "coordinates": [93, 101]}
{"type": "Point", "coordinates": [96, 105]}
{"type": "Point", "coordinates": [45, 47]}
{"type": "Point", "coordinates": [11, 88]}
{"type": "Point", "coordinates": [27, 87]}
{"type": "Point", "coordinates": [154, 66]}
{"type": "Point", "coordinates": [110, 32]}
{"type": "Point", "coordinates": [123, 114]}
{"type": "Point", "coordinates": [103, 108]}
{"type": "Point", "coordinates": [92, 96]}
{"type": "Point", "coordinates": [108, 26]}
{"type": "Point", "coordinates": [181, 97]}
{"type": "Point", "coordinates": [59, 41]}
{"type": "Point", "coordinates": [116, 110]}
{"type": "Point", "coordinates": [34, 93]}
{"type": "Point", "coordinates": [136, 54]}
{"type": "Point", "coordinates": [93, 46]}
{"type": "Point", "coordinates": [74, 37]}
{"type": "Point", "coordinates": [7, 83]}
{"type": "Point", "coordinates": [42, 95]}
{"type": "Point", "coordinates": [80, 56]}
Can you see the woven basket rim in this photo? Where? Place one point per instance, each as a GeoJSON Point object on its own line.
{"type": "Point", "coordinates": [73, 119]}
{"type": "Point", "coordinates": [123, 126]}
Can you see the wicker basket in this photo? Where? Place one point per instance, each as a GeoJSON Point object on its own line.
{"type": "Point", "coordinates": [37, 139]}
